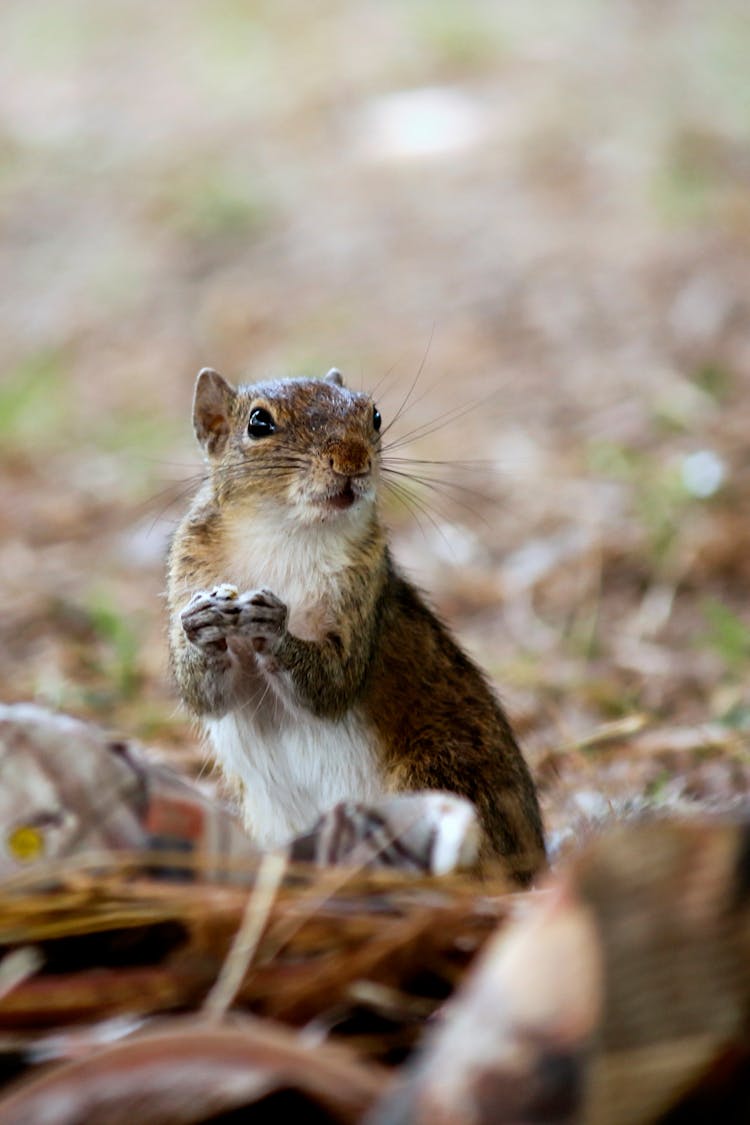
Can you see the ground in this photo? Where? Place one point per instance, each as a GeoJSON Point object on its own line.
{"type": "Point", "coordinates": [527, 225]}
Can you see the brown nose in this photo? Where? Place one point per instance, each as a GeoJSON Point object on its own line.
{"type": "Point", "coordinates": [349, 459]}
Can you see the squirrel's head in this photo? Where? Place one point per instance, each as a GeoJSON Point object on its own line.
{"type": "Point", "coordinates": [309, 445]}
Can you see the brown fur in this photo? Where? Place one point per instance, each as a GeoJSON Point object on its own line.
{"type": "Point", "coordinates": [370, 646]}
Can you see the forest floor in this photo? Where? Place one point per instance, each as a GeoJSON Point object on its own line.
{"type": "Point", "coordinates": [526, 225]}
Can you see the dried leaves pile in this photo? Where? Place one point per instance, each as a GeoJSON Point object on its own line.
{"type": "Point", "coordinates": [369, 953]}
{"type": "Point", "coordinates": [183, 987]}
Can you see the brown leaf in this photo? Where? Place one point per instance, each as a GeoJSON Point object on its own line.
{"type": "Point", "coordinates": [190, 1071]}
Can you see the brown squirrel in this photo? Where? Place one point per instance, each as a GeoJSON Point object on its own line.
{"type": "Point", "coordinates": [317, 668]}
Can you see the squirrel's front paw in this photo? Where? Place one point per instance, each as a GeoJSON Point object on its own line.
{"type": "Point", "coordinates": [261, 617]}
{"type": "Point", "coordinates": [211, 617]}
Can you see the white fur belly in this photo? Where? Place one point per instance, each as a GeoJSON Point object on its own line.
{"type": "Point", "coordinates": [293, 771]}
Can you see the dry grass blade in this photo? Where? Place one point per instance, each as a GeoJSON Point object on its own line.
{"type": "Point", "coordinates": [17, 967]}
{"type": "Point", "coordinates": [259, 904]}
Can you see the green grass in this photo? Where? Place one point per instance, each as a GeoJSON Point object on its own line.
{"type": "Point", "coordinates": [715, 379]}
{"type": "Point", "coordinates": [659, 498]}
{"type": "Point", "coordinates": [207, 203]}
{"type": "Point", "coordinates": [120, 643]}
{"type": "Point", "coordinates": [728, 636]}
{"type": "Point", "coordinates": [461, 37]}
{"type": "Point", "coordinates": [33, 401]}
{"type": "Point", "coordinates": [690, 187]}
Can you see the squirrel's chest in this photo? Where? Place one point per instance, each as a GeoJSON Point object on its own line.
{"type": "Point", "coordinates": [301, 567]}
{"type": "Point", "coordinates": [289, 773]}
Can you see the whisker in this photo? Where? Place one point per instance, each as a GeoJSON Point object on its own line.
{"type": "Point", "coordinates": [164, 464]}
{"type": "Point", "coordinates": [381, 381]}
{"type": "Point", "coordinates": [412, 502]}
{"type": "Point", "coordinates": [403, 497]}
{"type": "Point", "coordinates": [423, 472]}
{"type": "Point", "coordinates": [174, 493]}
{"type": "Point", "coordinates": [246, 472]}
{"type": "Point", "coordinates": [477, 463]}
{"type": "Point", "coordinates": [442, 487]}
{"type": "Point", "coordinates": [437, 483]}
{"type": "Point", "coordinates": [435, 423]}
{"type": "Point", "coordinates": [413, 384]}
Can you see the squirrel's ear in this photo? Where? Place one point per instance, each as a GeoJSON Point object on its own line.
{"type": "Point", "coordinates": [334, 376]}
{"type": "Point", "coordinates": [212, 404]}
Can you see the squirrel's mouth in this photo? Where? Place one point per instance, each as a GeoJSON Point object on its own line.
{"type": "Point", "coordinates": [339, 496]}
{"type": "Point", "coordinates": [342, 499]}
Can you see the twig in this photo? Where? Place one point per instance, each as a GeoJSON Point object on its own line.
{"type": "Point", "coordinates": [618, 729]}
{"type": "Point", "coordinates": [259, 904]}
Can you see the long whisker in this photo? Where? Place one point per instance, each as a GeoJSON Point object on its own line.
{"type": "Point", "coordinates": [237, 472]}
{"type": "Point", "coordinates": [435, 423]}
{"type": "Point", "coordinates": [413, 384]}
{"type": "Point", "coordinates": [173, 494]}
{"type": "Point", "coordinates": [165, 464]}
{"type": "Point", "coordinates": [241, 472]}
{"type": "Point", "coordinates": [477, 463]}
{"type": "Point", "coordinates": [410, 501]}
{"type": "Point", "coordinates": [442, 488]}
{"type": "Point", "coordinates": [383, 379]}
{"type": "Point", "coordinates": [437, 483]}
{"type": "Point", "coordinates": [403, 497]}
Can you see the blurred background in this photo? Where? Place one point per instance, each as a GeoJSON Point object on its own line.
{"type": "Point", "coordinates": [542, 211]}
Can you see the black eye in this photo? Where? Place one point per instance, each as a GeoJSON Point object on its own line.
{"type": "Point", "coordinates": [376, 419]}
{"type": "Point", "coordinates": [261, 423]}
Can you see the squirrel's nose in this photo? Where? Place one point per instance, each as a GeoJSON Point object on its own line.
{"type": "Point", "coordinates": [350, 460]}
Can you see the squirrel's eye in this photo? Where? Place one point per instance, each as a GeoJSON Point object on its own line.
{"type": "Point", "coordinates": [376, 419]}
{"type": "Point", "coordinates": [261, 423]}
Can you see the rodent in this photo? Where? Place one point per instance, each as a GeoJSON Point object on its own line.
{"type": "Point", "coordinates": [317, 668]}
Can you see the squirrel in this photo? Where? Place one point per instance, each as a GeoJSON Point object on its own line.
{"type": "Point", "coordinates": [318, 670]}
